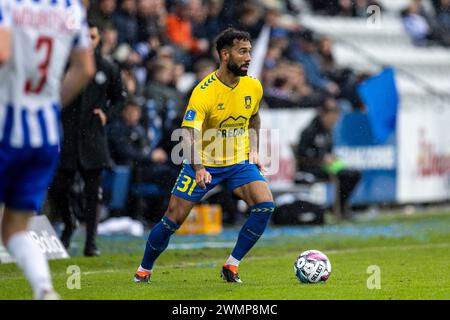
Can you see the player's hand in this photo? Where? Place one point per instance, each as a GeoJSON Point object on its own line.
{"type": "Point", "coordinates": [329, 158]}
{"type": "Point", "coordinates": [253, 157]}
{"type": "Point", "coordinates": [202, 177]}
{"type": "Point", "coordinates": [102, 115]}
{"type": "Point", "coordinates": [159, 155]}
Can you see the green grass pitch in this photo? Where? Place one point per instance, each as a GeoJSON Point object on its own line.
{"type": "Point", "coordinates": [413, 257]}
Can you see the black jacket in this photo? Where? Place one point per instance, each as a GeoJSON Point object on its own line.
{"type": "Point", "coordinates": [84, 144]}
{"type": "Point", "coordinates": [315, 142]}
{"type": "Point", "coordinates": [128, 144]}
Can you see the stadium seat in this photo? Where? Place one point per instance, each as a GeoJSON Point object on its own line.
{"type": "Point", "coordinates": [115, 186]}
{"type": "Point", "coordinates": [145, 190]}
{"type": "Point", "coordinates": [421, 71]}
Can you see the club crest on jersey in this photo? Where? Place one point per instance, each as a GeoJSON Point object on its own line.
{"type": "Point", "coordinates": [220, 106]}
{"type": "Point", "coordinates": [190, 115]}
{"type": "Point", "coordinates": [248, 102]}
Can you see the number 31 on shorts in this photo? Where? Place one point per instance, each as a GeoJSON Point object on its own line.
{"type": "Point", "coordinates": [187, 183]}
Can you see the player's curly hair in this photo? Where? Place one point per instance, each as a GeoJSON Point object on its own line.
{"type": "Point", "coordinates": [226, 38]}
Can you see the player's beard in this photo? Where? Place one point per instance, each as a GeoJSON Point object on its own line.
{"type": "Point", "coordinates": [235, 69]}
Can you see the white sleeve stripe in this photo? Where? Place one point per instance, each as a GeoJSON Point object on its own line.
{"type": "Point", "coordinates": [17, 130]}
{"type": "Point", "coordinates": [34, 129]}
{"type": "Point", "coordinates": [51, 121]}
{"type": "Point", "coordinates": [3, 115]}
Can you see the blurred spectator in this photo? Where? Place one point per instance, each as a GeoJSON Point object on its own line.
{"type": "Point", "coordinates": [324, 7]}
{"type": "Point", "coordinates": [130, 145]}
{"type": "Point", "coordinates": [314, 156]}
{"type": "Point", "coordinates": [362, 5]}
{"type": "Point", "coordinates": [212, 25]}
{"type": "Point", "coordinates": [289, 88]}
{"type": "Point", "coordinates": [251, 18]}
{"type": "Point", "coordinates": [273, 56]}
{"type": "Point", "coordinates": [151, 19]}
{"type": "Point", "coordinates": [148, 49]}
{"type": "Point", "coordinates": [179, 32]}
{"type": "Point", "coordinates": [294, 7]}
{"type": "Point", "coordinates": [301, 92]}
{"type": "Point", "coordinates": [420, 30]}
{"type": "Point", "coordinates": [344, 77]}
{"type": "Point", "coordinates": [305, 53]}
{"type": "Point", "coordinates": [345, 8]}
{"type": "Point", "coordinates": [355, 8]}
{"type": "Point", "coordinates": [129, 81]}
{"type": "Point", "coordinates": [230, 10]}
{"type": "Point", "coordinates": [186, 82]}
{"type": "Point", "coordinates": [202, 68]}
{"type": "Point", "coordinates": [160, 86]}
{"type": "Point", "coordinates": [126, 23]}
{"type": "Point", "coordinates": [128, 138]}
{"type": "Point", "coordinates": [443, 15]}
{"type": "Point", "coordinates": [163, 102]}
{"type": "Point", "coordinates": [199, 14]}
{"type": "Point", "coordinates": [102, 12]}
{"type": "Point", "coordinates": [326, 54]}
{"type": "Point", "coordinates": [84, 147]}
{"type": "Point", "coordinates": [278, 94]}
{"type": "Point", "coordinates": [109, 41]}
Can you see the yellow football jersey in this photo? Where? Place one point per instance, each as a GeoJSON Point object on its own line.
{"type": "Point", "coordinates": [221, 113]}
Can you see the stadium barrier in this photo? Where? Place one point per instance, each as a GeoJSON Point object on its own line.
{"type": "Point", "coordinates": [42, 233]}
{"type": "Point", "coordinates": [411, 166]}
{"type": "Point", "coordinates": [203, 219]}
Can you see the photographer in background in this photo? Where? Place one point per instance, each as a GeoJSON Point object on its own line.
{"type": "Point", "coordinates": [314, 156]}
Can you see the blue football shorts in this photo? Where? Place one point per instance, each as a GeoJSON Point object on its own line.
{"type": "Point", "coordinates": [25, 175]}
{"type": "Point", "coordinates": [232, 177]}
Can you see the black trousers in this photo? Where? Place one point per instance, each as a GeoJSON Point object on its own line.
{"type": "Point", "coordinates": [347, 180]}
{"type": "Point", "coordinates": [60, 193]}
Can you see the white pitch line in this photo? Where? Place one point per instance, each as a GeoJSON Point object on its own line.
{"type": "Point", "coordinates": [214, 263]}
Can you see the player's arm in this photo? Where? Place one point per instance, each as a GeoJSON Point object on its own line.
{"type": "Point", "coordinates": [81, 70]}
{"type": "Point", "coordinates": [192, 135]}
{"type": "Point", "coordinates": [254, 126]}
{"type": "Point", "coordinates": [5, 45]}
{"type": "Point", "coordinates": [81, 64]}
{"type": "Point", "coordinates": [5, 33]}
{"type": "Point", "coordinates": [192, 141]}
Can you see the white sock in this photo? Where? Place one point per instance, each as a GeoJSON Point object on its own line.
{"type": "Point", "coordinates": [140, 269]}
{"type": "Point", "coordinates": [232, 261]}
{"type": "Point", "coordinates": [32, 261]}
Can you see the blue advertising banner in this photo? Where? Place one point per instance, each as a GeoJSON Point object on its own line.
{"type": "Point", "coordinates": [367, 141]}
{"type": "Point", "coordinates": [355, 144]}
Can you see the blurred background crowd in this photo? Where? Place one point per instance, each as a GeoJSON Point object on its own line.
{"type": "Point", "coordinates": [162, 49]}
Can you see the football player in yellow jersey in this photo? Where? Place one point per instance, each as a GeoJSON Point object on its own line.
{"type": "Point", "coordinates": [221, 127]}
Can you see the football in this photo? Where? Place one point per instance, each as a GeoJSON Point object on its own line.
{"type": "Point", "coordinates": [312, 266]}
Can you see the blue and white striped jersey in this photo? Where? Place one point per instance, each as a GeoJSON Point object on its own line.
{"type": "Point", "coordinates": [43, 33]}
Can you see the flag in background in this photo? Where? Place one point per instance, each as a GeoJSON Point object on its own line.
{"type": "Point", "coordinates": [379, 94]}
{"type": "Point", "coordinates": [259, 52]}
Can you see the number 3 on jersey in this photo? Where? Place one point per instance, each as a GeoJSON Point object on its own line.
{"type": "Point", "coordinates": [186, 182]}
{"type": "Point", "coordinates": [47, 43]}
